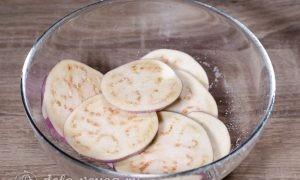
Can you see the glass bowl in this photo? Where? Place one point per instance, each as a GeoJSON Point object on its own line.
{"type": "Point", "coordinates": [107, 34]}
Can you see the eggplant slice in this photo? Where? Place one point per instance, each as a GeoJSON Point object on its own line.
{"type": "Point", "coordinates": [99, 130]}
{"type": "Point", "coordinates": [181, 144]}
{"type": "Point", "coordinates": [180, 61]}
{"type": "Point", "coordinates": [141, 86]}
{"type": "Point", "coordinates": [68, 84]}
{"type": "Point", "coordinates": [194, 97]}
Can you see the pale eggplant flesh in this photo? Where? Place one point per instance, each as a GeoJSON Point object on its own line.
{"type": "Point", "coordinates": [68, 84]}
{"type": "Point", "coordinates": [194, 97]}
{"type": "Point", "coordinates": [217, 133]}
{"type": "Point", "coordinates": [179, 60]}
{"type": "Point", "coordinates": [181, 144]}
{"type": "Point", "coordinates": [141, 86]}
{"type": "Point", "coordinates": [99, 130]}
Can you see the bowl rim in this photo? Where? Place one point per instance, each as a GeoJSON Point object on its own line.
{"type": "Point", "coordinates": [257, 129]}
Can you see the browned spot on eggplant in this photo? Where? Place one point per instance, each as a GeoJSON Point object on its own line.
{"type": "Point", "coordinates": [171, 168]}
{"type": "Point", "coordinates": [53, 92]}
{"type": "Point", "coordinates": [58, 103]}
{"type": "Point", "coordinates": [158, 80]}
{"type": "Point", "coordinates": [134, 68]}
{"type": "Point", "coordinates": [167, 131]}
{"type": "Point", "coordinates": [93, 123]}
{"type": "Point", "coordinates": [184, 111]}
{"type": "Point", "coordinates": [69, 67]}
{"type": "Point", "coordinates": [74, 125]}
{"type": "Point", "coordinates": [113, 93]}
{"type": "Point", "coordinates": [75, 136]}
{"type": "Point", "coordinates": [144, 166]}
{"type": "Point", "coordinates": [190, 159]}
{"type": "Point", "coordinates": [91, 133]}
{"type": "Point", "coordinates": [112, 111]}
{"type": "Point", "coordinates": [138, 94]}
{"type": "Point", "coordinates": [187, 95]}
{"type": "Point", "coordinates": [194, 143]}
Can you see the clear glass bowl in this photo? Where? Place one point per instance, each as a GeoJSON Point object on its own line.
{"type": "Point", "coordinates": [107, 34]}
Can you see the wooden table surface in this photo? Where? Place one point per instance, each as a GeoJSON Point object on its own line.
{"type": "Point", "coordinates": [275, 22]}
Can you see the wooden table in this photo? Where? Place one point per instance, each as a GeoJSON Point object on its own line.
{"type": "Point", "coordinates": [275, 22]}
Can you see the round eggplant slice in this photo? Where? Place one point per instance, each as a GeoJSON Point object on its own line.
{"type": "Point", "coordinates": [141, 86]}
{"type": "Point", "coordinates": [68, 84]}
{"type": "Point", "coordinates": [99, 130]}
{"type": "Point", "coordinates": [181, 144]}
{"type": "Point", "coordinates": [217, 133]}
{"type": "Point", "coordinates": [180, 61]}
{"type": "Point", "coordinates": [194, 97]}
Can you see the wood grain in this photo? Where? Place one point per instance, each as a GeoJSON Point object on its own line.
{"type": "Point", "coordinates": [276, 23]}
